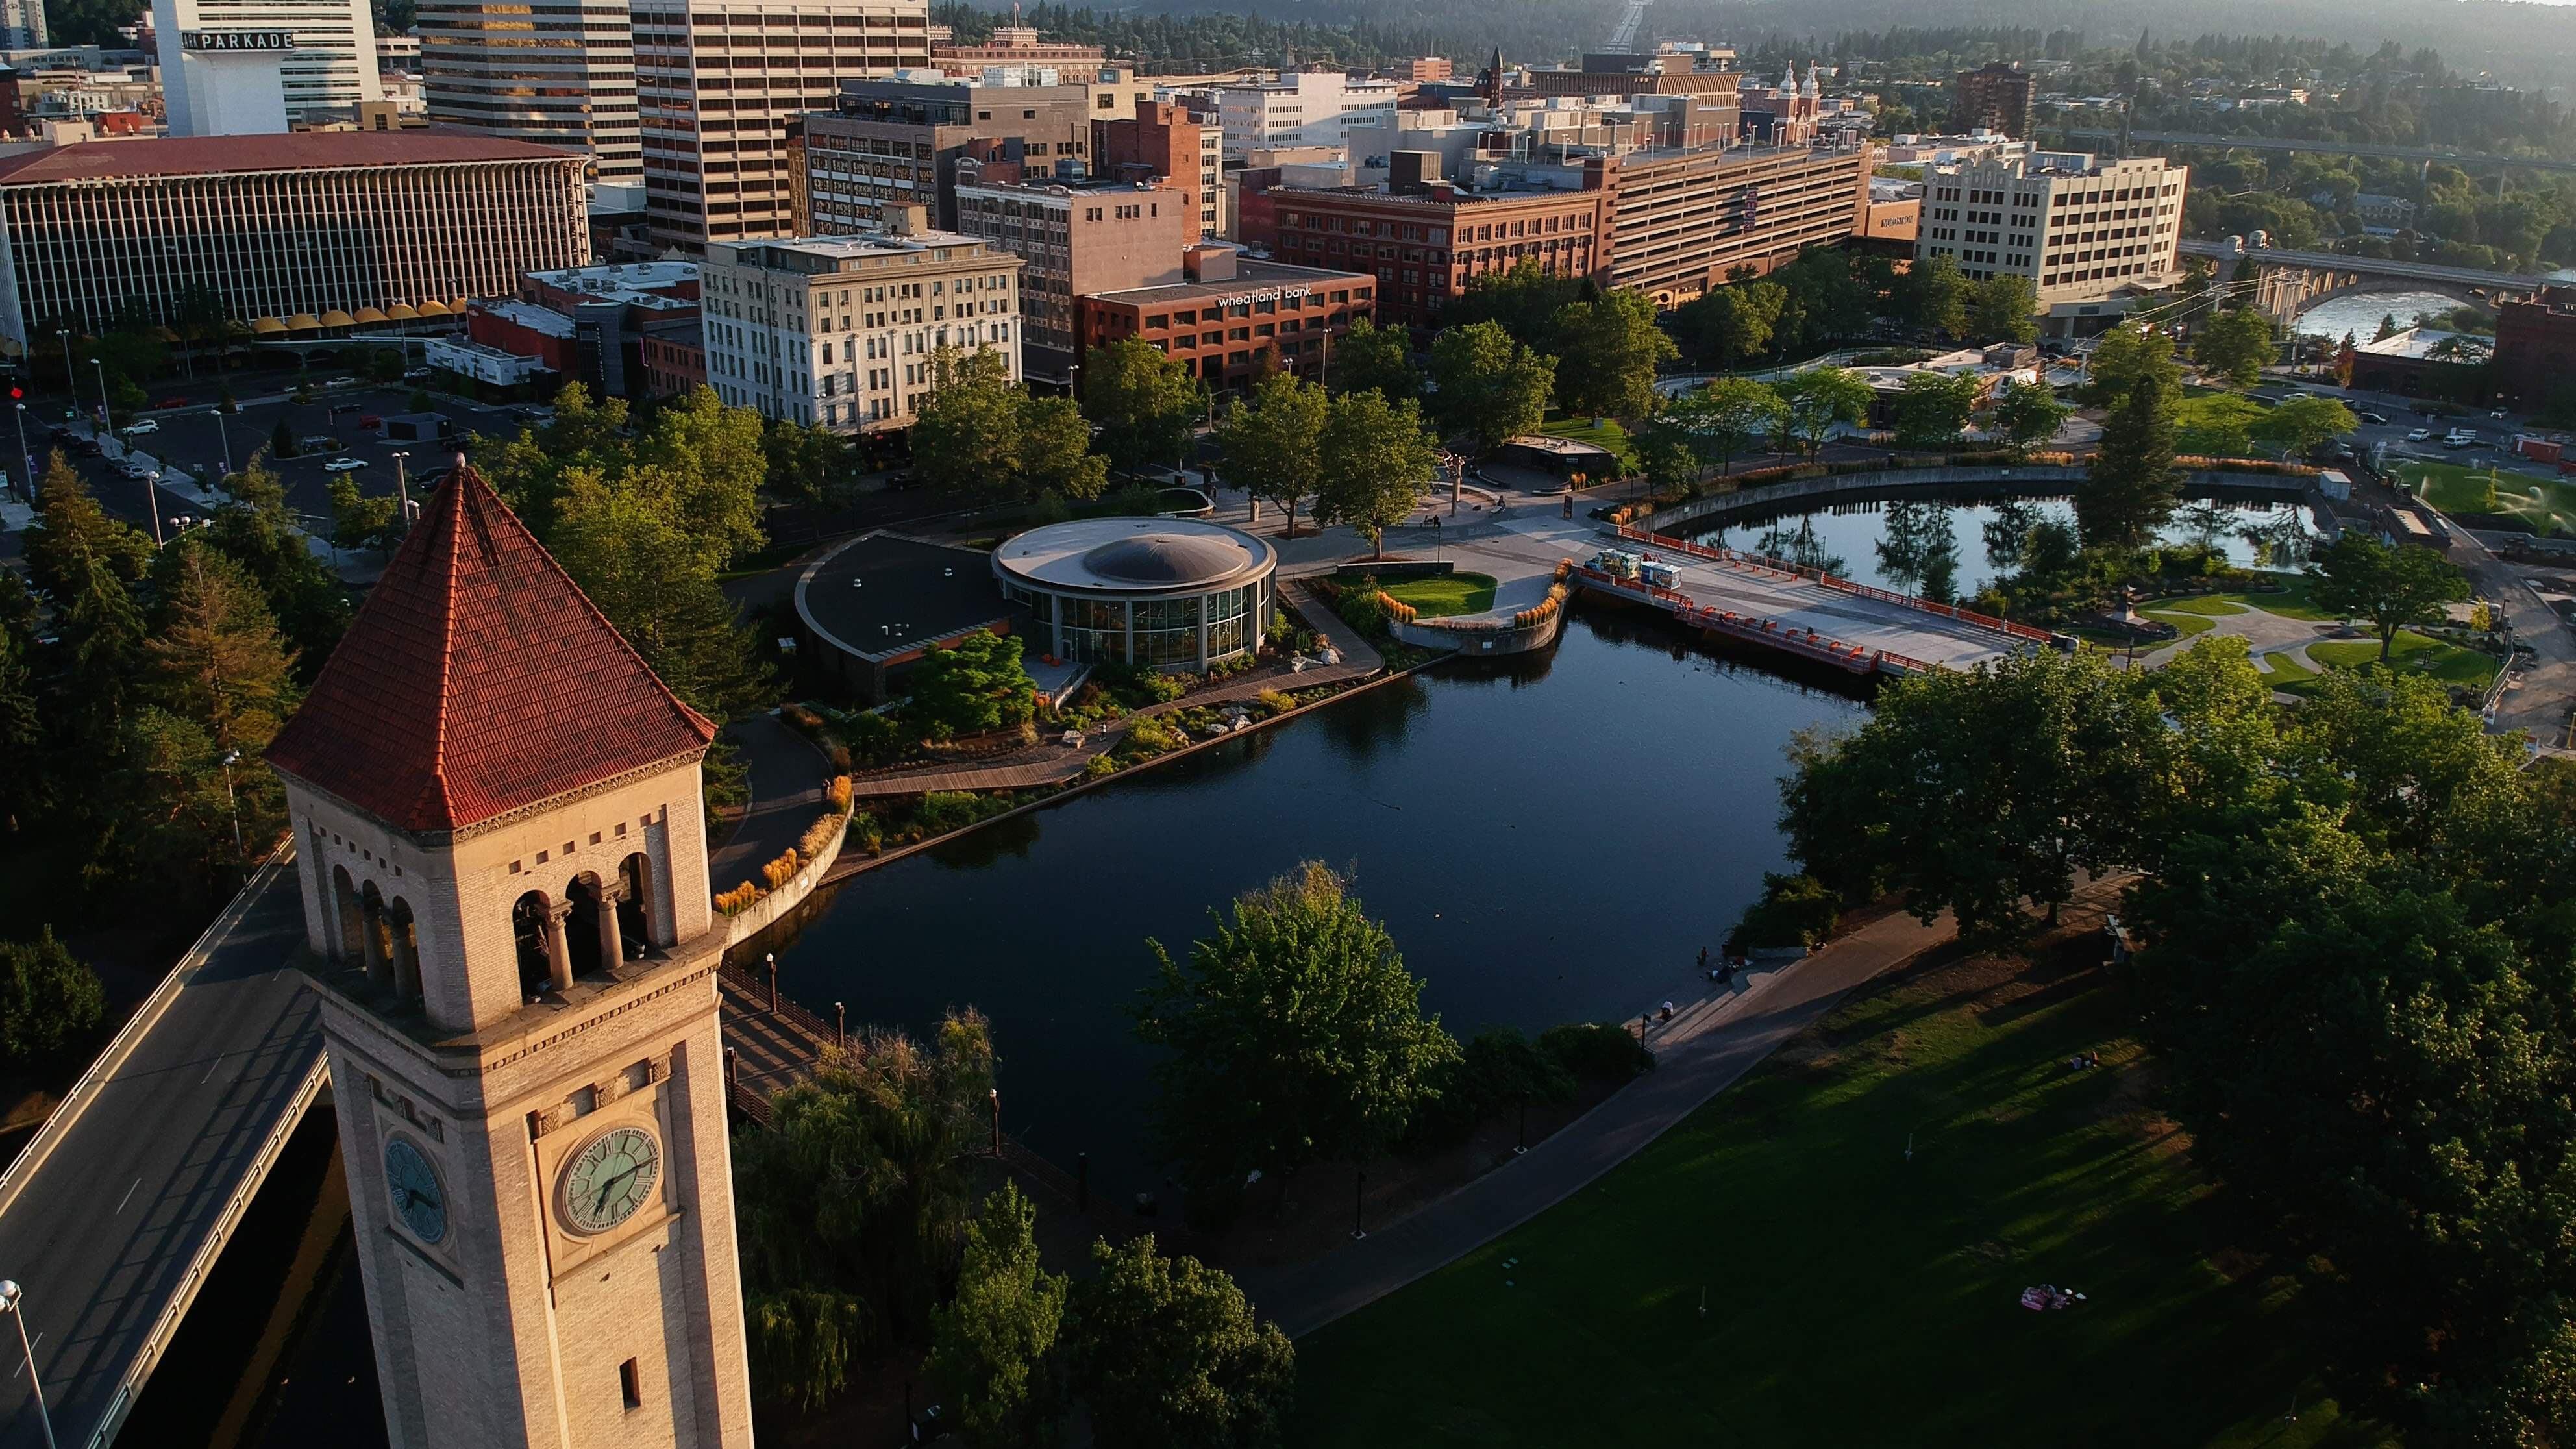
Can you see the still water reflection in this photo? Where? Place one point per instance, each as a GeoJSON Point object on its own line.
{"type": "Point", "coordinates": [1549, 839]}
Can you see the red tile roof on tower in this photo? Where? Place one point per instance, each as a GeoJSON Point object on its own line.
{"type": "Point", "coordinates": [478, 679]}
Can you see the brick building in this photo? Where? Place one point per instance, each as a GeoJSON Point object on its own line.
{"type": "Point", "coordinates": [1683, 220]}
{"type": "Point", "coordinates": [1231, 316]}
{"type": "Point", "coordinates": [1425, 240]}
{"type": "Point", "coordinates": [1165, 140]}
{"type": "Point", "coordinates": [1993, 97]}
{"type": "Point", "coordinates": [2535, 347]}
{"type": "Point", "coordinates": [1101, 236]}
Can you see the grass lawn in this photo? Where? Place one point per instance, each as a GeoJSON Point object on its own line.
{"type": "Point", "coordinates": [2189, 621]}
{"type": "Point", "coordinates": [2457, 488]}
{"type": "Point", "coordinates": [2205, 605]}
{"type": "Point", "coordinates": [1458, 593]}
{"type": "Point", "coordinates": [2282, 672]}
{"type": "Point", "coordinates": [1606, 434]}
{"type": "Point", "coordinates": [2414, 653]}
{"type": "Point", "coordinates": [1854, 1296]}
{"type": "Point", "coordinates": [2290, 602]}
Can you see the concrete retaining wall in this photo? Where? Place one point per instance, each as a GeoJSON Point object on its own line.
{"type": "Point", "coordinates": [761, 914]}
{"type": "Point", "coordinates": [1806, 494]}
{"type": "Point", "coordinates": [1481, 643]}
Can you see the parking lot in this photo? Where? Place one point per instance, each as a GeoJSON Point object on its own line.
{"type": "Point", "coordinates": [195, 440]}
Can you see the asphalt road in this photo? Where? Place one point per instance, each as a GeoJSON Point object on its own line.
{"type": "Point", "coordinates": [103, 1230]}
{"type": "Point", "coordinates": [196, 440]}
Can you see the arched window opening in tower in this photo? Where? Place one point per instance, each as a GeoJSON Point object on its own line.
{"type": "Point", "coordinates": [528, 927]}
{"type": "Point", "coordinates": [634, 907]}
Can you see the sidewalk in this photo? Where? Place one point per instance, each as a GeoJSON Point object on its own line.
{"type": "Point", "coordinates": [787, 776]}
{"type": "Point", "coordinates": [1698, 1055]}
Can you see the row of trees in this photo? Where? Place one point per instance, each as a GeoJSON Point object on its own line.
{"type": "Point", "coordinates": [1359, 458]}
{"type": "Point", "coordinates": [1827, 295]}
{"type": "Point", "coordinates": [1708, 427]}
{"type": "Point", "coordinates": [2356, 964]}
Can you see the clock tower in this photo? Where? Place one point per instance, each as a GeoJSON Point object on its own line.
{"type": "Point", "coordinates": [504, 867]}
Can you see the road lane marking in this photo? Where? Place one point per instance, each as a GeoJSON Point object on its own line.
{"type": "Point", "coordinates": [129, 1197]}
{"type": "Point", "coordinates": [210, 1069]}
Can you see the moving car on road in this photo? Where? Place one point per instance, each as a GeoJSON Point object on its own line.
{"type": "Point", "coordinates": [2420, 435]}
{"type": "Point", "coordinates": [132, 430]}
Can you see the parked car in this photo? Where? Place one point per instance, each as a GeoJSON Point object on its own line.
{"type": "Point", "coordinates": [370, 420]}
{"type": "Point", "coordinates": [171, 402]}
{"type": "Point", "coordinates": [2497, 414]}
{"type": "Point", "coordinates": [136, 468]}
{"type": "Point", "coordinates": [2458, 439]}
{"type": "Point", "coordinates": [417, 374]}
{"type": "Point", "coordinates": [87, 448]}
{"type": "Point", "coordinates": [2376, 420]}
{"type": "Point", "coordinates": [2420, 435]}
{"type": "Point", "coordinates": [337, 384]}
{"type": "Point", "coordinates": [133, 430]}
{"type": "Point", "coordinates": [339, 408]}
{"type": "Point", "coordinates": [344, 465]}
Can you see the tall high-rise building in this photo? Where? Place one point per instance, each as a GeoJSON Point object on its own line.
{"type": "Point", "coordinates": [1994, 97]}
{"type": "Point", "coordinates": [22, 24]}
{"type": "Point", "coordinates": [554, 72]}
{"type": "Point", "coordinates": [325, 50]}
{"type": "Point", "coordinates": [718, 80]}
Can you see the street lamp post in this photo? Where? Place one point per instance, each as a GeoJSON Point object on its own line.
{"type": "Point", "coordinates": [232, 803]}
{"type": "Point", "coordinates": [106, 420]}
{"type": "Point", "coordinates": [1359, 1185]}
{"type": "Point", "coordinates": [26, 460]}
{"type": "Point", "coordinates": [402, 492]}
{"type": "Point", "coordinates": [995, 1093]}
{"type": "Point", "coordinates": [71, 374]}
{"type": "Point", "coordinates": [841, 1024]}
{"type": "Point", "coordinates": [773, 982]}
{"type": "Point", "coordinates": [224, 440]}
{"type": "Point", "coordinates": [10, 1294]}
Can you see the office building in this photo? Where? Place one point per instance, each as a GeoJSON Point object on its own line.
{"type": "Point", "coordinates": [841, 331]}
{"type": "Point", "coordinates": [550, 72]}
{"type": "Point", "coordinates": [908, 142]}
{"type": "Point", "coordinates": [297, 234]}
{"type": "Point", "coordinates": [1301, 108]}
{"type": "Point", "coordinates": [1168, 141]}
{"type": "Point", "coordinates": [1995, 97]}
{"type": "Point", "coordinates": [1234, 318]}
{"type": "Point", "coordinates": [221, 58]}
{"type": "Point", "coordinates": [1012, 45]}
{"type": "Point", "coordinates": [611, 328]}
{"type": "Point", "coordinates": [1424, 239]}
{"type": "Point", "coordinates": [2535, 345]}
{"type": "Point", "coordinates": [1684, 220]}
{"type": "Point", "coordinates": [716, 83]}
{"type": "Point", "coordinates": [22, 25]}
{"type": "Point", "coordinates": [1086, 237]}
{"type": "Point", "coordinates": [2093, 236]}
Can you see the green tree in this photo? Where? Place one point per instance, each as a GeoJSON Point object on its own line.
{"type": "Point", "coordinates": [1370, 358]}
{"type": "Point", "coordinates": [972, 685]}
{"type": "Point", "coordinates": [1914, 800]}
{"type": "Point", "coordinates": [1144, 401]}
{"type": "Point", "coordinates": [215, 656]}
{"type": "Point", "coordinates": [1492, 388]}
{"type": "Point", "coordinates": [803, 460]}
{"type": "Point", "coordinates": [1934, 408]}
{"type": "Point", "coordinates": [2295, 425]}
{"type": "Point", "coordinates": [1932, 297]}
{"type": "Point", "coordinates": [1167, 1354]}
{"type": "Point", "coordinates": [281, 440]}
{"type": "Point", "coordinates": [1303, 993]}
{"type": "Point", "coordinates": [252, 527]}
{"type": "Point", "coordinates": [1271, 443]}
{"type": "Point", "coordinates": [2235, 346]}
{"type": "Point", "coordinates": [1818, 400]}
{"type": "Point", "coordinates": [2027, 414]}
{"type": "Point", "coordinates": [1055, 454]}
{"type": "Point", "coordinates": [360, 521]}
{"type": "Point", "coordinates": [1376, 458]}
{"type": "Point", "coordinates": [993, 1354]}
{"type": "Point", "coordinates": [1525, 301]}
{"type": "Point", "coordinates": [2391, 586]}
{"type": "Point", "coordinates": [71, 532]}
{"type": "Point", "coordinates": [860, 1185]}
{"type": "Point", "coordinates": [1608, 352]}
{"type": "Point", "coordinates": [28, 783]}
{"type": "Point", "coordinates": [1728, 325]}
{"type": "Point", "coordinates": [965, 434]}
{"type": "Point", "coordinates": [2123, 355]}
{"type": "Point", "coordinates": [2130, 488]}
{"type": "Point", "coordinates": [49, 999]}
{"type": "Point", "coordinates": [2221, 426]}
{"type": "Point", "coordinates": [1727, 417]}
{"type": "Point", "coordinates": [2004, 308]}
{"type": "Point", "coordinates": [629, 544]}
{"type": "Point", "coordinates": [802, 1340]}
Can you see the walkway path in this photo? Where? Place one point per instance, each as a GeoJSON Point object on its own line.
{"type": "Point", "coordinates": [1698, 1055]}
{"type": "Point", "coordinates": [787, 776]}
{"type": "Point", "coordinates": [1053, 763]}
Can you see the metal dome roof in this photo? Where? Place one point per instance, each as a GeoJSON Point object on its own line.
{"type": "Point", "coordinates": [1165, 559]}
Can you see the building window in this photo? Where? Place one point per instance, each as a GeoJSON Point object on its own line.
{"type": "Point", "coordinates": [630, 1384]}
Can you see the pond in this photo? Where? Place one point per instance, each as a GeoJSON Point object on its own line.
{"type": "Point", "coordinates": [1847, 539]}
{"type": "Point", "coordinates": [1551, 839]}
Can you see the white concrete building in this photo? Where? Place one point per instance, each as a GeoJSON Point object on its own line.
{"type": "Point", "coordinates": [551, 72]}
{"type": "Point", "coordinates": [2092, 236]}
{"type": "Point", "coordinates": [1301, 108]}
{"type": "Point", "coordinates": [221, 59]}
{"type": "Point", "coordinates": [840, 331]}
{"type": "Point", "coordinates": [716, 82]}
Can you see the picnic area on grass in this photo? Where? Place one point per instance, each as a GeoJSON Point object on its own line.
{"type": "Point", "coordinates": [2544, 504]}
{"type": "Point", "coordinates": [1854, 1296]}
{"type": "Point", "coordinates": [1442, 595]}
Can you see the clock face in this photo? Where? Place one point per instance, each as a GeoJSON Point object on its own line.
{"type": "Point", "coordinates": [609, 1178]}
{"type": "Point", "coordinates": [413, 1185]}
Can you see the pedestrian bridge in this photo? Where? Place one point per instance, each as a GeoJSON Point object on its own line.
{"type": "Point", "coordinates": [2288, 281]}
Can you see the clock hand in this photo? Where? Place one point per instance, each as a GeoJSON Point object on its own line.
{"type": "Point", "coordinates": [610, 1187]}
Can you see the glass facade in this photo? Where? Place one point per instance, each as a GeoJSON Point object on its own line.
{"type": "Point", "coordinates": [1164, 633]}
